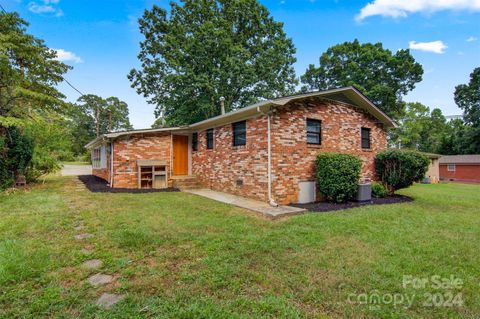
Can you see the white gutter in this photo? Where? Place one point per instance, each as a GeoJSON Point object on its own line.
{"type": "Point", "coordinates": [271, 201]}
{"type": "Point", "coordinates": [111, 164]}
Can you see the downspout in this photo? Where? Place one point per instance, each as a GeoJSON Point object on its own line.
{"type": "Point", "coordinates": [271, 201]}
{"type": "Point", "coordinates": [111, 164]}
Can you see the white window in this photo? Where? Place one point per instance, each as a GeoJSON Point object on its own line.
{"type": "Point", "coordinates": [451, 167]}
{"type": "Point", "coordinates": [99, 157]}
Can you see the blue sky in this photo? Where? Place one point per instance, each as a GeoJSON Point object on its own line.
{"type": "Point", "coordinates": [100, 40]}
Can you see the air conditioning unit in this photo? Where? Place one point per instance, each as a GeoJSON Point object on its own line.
{"type": "Point", "coordinates": [364, 193]}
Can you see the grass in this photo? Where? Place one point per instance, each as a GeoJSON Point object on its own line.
{"type": "Point", "coordinates": [183, 256]}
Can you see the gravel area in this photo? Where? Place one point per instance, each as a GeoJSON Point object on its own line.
{"type": "Point", "coordinates": [98, 185]}
{"type": "Point", "coordinates": [329, 206]}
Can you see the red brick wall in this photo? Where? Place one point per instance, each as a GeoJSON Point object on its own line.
{"type": "Point", "coordinates": [293, 159]}
{"type": "Point", "coordinates": [223, 167]}
{"type": "Point", "coordinates": [463, 173]}
{"type": "Point", "coordinates": [103, 173]}
{"type": "Point", "coordinates": [140, 146]}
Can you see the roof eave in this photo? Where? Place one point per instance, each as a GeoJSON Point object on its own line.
{"type": "Point", "coordinates": [242, 114]}
{"type": "Point", "coordinates": [114, 135]}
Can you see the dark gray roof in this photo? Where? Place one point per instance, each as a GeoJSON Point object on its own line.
{"type": "Point", "coordinates": [460, 159]}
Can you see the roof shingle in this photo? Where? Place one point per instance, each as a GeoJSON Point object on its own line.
{"type": "Point", "coordinates": [460, 159]}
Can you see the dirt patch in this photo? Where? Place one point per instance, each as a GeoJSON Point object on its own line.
{"type": "Point", "coordinates": [97, 185]}
{"type": "Point", "coordinates": [329, 206]}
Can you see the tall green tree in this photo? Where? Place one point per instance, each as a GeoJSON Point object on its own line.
{"type": "Point", "coordinates": [93, 116]}
{"type": "Point", "coordinates": [105, 115]}
{"type": "Point", "coordinates": [384, 77]}
{"type": "Point", "coordinates": [29, 74]}
{"type": "Point", "coordinates": [203, 50]}
{"type": "Point", "coordinates": [420, 129]}
{"type": "Point", "coordinates": [455, 139]}
{"type": "Point", "coordinates": [467, 97]}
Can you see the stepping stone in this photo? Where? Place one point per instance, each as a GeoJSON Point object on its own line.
{"type": "Point", "coordinates": [85, 251]}
{"type": "Point", "coordinates": [108, 300]}
{"type": "Point", "coordinates": [92, 264]}
{"type": "Point", "coordinates": [100, 279]}
{"type": "Point", "coordinates": [78, 227]}
{"type": "Point", "coordinates": [83, 236]}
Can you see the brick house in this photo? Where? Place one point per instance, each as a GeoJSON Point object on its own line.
{"type": "Point", "coordinates": [264, 151]}
{"type": "Point", "coordinates": [461, 168]}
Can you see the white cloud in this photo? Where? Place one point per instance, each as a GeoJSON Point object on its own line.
{"type": "Point", "coordinates": [434, 46]}
{"type": "Point", "coordinates": [45, 7]}
{"type": "Point", "coordinates": [402, 8]}
{"type": "Point", "coordinates": [66, 56]}
{"type": "Point", "coordinates": [472, 39]}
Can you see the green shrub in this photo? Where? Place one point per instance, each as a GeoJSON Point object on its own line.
{"type": "Point", "coordinates": [378, 190]}
{"type": "Point", "coordinates": [338, 175]}
{"type": "Point", "coordinates": [400, 169]}
{"type": "Point", "coordinates": [16, 151]}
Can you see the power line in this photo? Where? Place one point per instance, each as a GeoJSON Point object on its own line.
{"type": "Point", "coordinates": [71, 85]}
{"type": "Point", "coordinates": [66, 81]}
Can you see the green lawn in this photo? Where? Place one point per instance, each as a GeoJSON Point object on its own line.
{"type": "Point", "coordinates": [178, 255]}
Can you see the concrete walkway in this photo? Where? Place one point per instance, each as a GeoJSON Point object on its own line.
{"type": "Point", "coordinates": [75, 170]}
{"type": "Point", "coordinates": [250, 204]}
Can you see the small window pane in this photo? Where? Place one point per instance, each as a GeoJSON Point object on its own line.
{"type": "Point", "coordinates": [365, 136]}
{"type": "Point", "coordinates": [313, 126]}
{"type": "Point", "coordinates": [239, 133]}
{"type": "Point", "coordinates": [314, 131]}
{"type": "Point", "coordinates": [210, 139]}
{"type": "Point", "coordinates": [451, 167]}
{"type": "Point", "coordinates": [195, 142]}
{"type": "Point", "coordinates": [313, 138]}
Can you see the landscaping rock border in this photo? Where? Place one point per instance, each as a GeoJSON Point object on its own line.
{"type": "Point", "coordinates": [329, 206]}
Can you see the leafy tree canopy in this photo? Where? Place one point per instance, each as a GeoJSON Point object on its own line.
{"type": "Point", "coordinates": [420, 129]}
{"type": "Point", "coordinates": [454, 140]}
{"type": "Point", "coordinates": [29, 75]}
{"type": "Point", "coordinates": [382, 76]}
{"type": "Point", "coordinates": [467, 97]}
{"type": "Point", "coordinates": [203, 50]}
{"type": "Point", "coordinates": [93, 116]}
{"type": "Point", "coordinates": [29, 72]}
{"type": "Point", "coordinates": [104, 115]}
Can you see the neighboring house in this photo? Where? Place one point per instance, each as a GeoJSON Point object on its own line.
{"type": "Point", "coordinates": [264, 151]}
{"type": "Point", "coordinates": [462, 168]}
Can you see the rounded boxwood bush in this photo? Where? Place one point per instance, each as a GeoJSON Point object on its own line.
{"type": "Point", "coordinates": [338, 175]}
{"type": "Point", "coordinates": [400, 168]}
{"type": "Point", "coordinates": [378, 190]}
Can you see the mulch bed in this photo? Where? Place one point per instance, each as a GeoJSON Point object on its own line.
{"type": "Point", "coordinates": [98, 185]}
{"type": "Point", "coordinates": [329, 206]}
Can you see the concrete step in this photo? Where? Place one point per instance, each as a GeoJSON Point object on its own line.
{"type": "Point", "coordinates": [185, 182]}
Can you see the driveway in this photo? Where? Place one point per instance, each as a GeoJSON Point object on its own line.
{"type": "Point", "coordinates": [75, 170]}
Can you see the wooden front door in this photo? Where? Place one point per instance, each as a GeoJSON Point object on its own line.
{"type": "Point", "coordinates": [180, 155]}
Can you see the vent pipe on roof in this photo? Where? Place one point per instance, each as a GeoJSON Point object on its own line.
{"type": "Point", "coordinates": [222, 104]}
